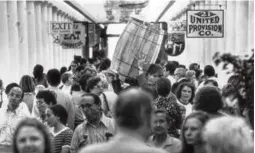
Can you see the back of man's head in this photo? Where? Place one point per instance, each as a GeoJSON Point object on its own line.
{"type": "Point", "coordinates": [54, 77]}
{"type": "Point", "coordinates": [209, 71]}
{"type": "Point", "coordinates": [133, 109]}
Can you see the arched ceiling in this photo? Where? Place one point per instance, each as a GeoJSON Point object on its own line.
{"type": "Point", "coordinates": [150, 13]}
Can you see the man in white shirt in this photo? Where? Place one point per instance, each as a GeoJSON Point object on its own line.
{"type": "Point", "coordinates": [11, 114]}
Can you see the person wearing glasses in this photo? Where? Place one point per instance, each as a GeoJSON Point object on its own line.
{"type": "Point", "coordinates": [95, 85]}
{"type": "Point", "coordinates": [44, 99]}
{"type": "Point", "coordinates": [11, 114]}
{"type": "Point", "coordinates": [96, 128]}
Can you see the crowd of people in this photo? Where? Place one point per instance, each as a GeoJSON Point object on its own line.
{"type": "Point", "coordinates": [87, 108]}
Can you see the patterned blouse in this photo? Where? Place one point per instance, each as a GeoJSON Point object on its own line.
{"type": "Point", "coordinates": [173, 111]}
{"type": "Point", "coordinates": [62, 139]}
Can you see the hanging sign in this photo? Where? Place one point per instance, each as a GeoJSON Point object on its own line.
{"type": "Point", "coordinates": [61, 27]}
{"type": "Point", "coordinates": [175, 42]}
{"type": "Point", "coordinates": [177, 26]}
{"type": "Point", "coordinates": [205, 23]}
{"type": "Point", "coordinates": [76, 39]}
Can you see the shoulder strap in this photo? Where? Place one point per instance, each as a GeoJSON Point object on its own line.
{"type": "Point", "coordinates": [106, 102]}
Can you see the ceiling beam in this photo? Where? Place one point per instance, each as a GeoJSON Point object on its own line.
{"type": "Point", "coordinates": [165, 10]}
{"type": "Point", "coordinates": [81, 10]}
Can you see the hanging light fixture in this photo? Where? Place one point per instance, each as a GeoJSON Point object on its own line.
{"type": "Point", "coordinates": [124, 7]}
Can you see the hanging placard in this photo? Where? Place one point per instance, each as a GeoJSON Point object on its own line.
{"type": "Point", "coordinates": [177, 26]}
{"type": "Point", "coordinates": [76, 39]}
{"type": "Point", "coordinates": [91, 32]}
{"type": "Point", "coordinates": [205, 23]}
{"type": "Point", "coordinates": [175, 43]}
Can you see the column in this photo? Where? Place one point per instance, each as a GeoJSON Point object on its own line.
{"type": "Point", "coordinates": [31, 35]}
{"type": "Point", "coordinates": [55, 45]}
{"type": "Point", "coordinates": [50, 40]}
{"type": "Point", "coordinates": [13, 39]}
{"type": "Point", "coordinates": [45, 36]}
{"type": "Point", "coordinates": [23, 38]}
{"type": "Point", "coordinates": [251, 26]}
{"type": "Point", "coordinates": [59, 46]}
{"type": "Point", "coordinates": [214, 41]}
{"type": "Point", "coordinates": [222, 41]}
{"type": "Point", "coordinates": [241, 30]}
{"type": "Point", "coordinates": [38, 27]}
{"type": "Point", "coordinates": [230, 27]}
{"type": "Point", "coordinates": [4, 44]}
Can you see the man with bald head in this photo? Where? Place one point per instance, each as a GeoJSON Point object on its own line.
{"type": "Point", "coordinates": [10, 115]}
{"type": "Point", "coordinates": [132, 114]}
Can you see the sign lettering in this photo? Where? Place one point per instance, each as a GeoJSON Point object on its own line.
{"type": "Point", "coordinates": [205, 24]}
{"type": "Point", "coordinates": [61, 27]}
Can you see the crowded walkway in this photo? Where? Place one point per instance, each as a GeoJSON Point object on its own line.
{"type": "Point", "coordinates": [85, 107]}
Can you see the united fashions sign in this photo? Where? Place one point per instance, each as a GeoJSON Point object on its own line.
{"type": "Point", "coordinates": [205, 24]}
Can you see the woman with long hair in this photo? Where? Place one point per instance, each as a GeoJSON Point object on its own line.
{"type": "Point", "coordinates": [28, 87]}
{"type": "Point", "coordinates": [191, 132]}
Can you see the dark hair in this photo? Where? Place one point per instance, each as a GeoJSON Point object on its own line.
{"type": "Point", "coordinates": [65, 77]}
{"type": "Point", "coordinates": [63, 70]}
{"type": "Point", "coordinates": [83, 61]}
{"type": "Point", "coordinates": [96, 98]}
{"type": "Point", "coordinates": [104, 64]}
{"type": "Point", "coordinates": [59, 111]}
{"type": "Point", "coordinates": [48, 96]}
{"type": "Point", "coordinates": [31, 122]}
{"type": "Point", "coordinates": [229, 89]}
{"type": "Point", "coordinates": [181, 86]}
{"type": "Point", "coordinates": [83, 81]}
{"type": "Point", "coordinates": [54, 77]}
{"type": "Point", "coordinates": [209, 71]}
{"type": "Point", "coordinates": [75, 87]}
{"type": "Point", "coordinates": [163, 87]}
{"type": "Point", "coordinates": [80, 68]}
{"type": "Point", "coordinates": [208, 99]}
{"type": "Point", "coordinates": [27, 84]}
{"type": "Point", "coordinates": [194, 66]}
{"type": "Point", "coordinates": [133, 108]}
{"type": "Point", "coordinates": [163, 111]}
{"type": "Point", "coordinates": [153, 68]}
{"type": "Point", "coordinates": [92, 82]}
{"type": "Point", "coordinates": [170, 67]}
{"type": "Point", "coordinates": [215, 83]}
{"type": "Point", "coordinates": [10, 86]}
{"type": "Point", "coordinates": [235, 80]}
{"type": "Point", "coordinates": [182, 66]}
{"type": "Point", "coordinates": [38, 71]}
{"type": "Point", "coordinates": [203, 118]}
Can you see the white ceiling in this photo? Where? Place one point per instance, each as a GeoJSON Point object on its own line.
{"type": "Point", "coordinates": [150, 13]}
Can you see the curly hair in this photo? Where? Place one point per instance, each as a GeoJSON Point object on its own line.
{"type": "Point", "coordinates": [32, 122]}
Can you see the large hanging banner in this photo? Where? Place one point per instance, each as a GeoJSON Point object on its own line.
{"type": "Point", "coordinates": [205, 24]}
{"type": "Point", "coordinates": [175, 43]}
{"type": "Point", "coordinates": [75, 40]}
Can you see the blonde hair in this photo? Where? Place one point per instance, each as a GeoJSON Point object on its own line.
{"type": "Point", "coordinates": [228, 134]}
